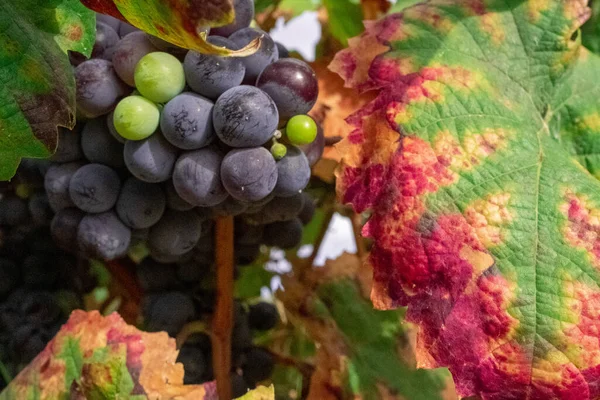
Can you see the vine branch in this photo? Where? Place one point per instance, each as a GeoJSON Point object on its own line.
{"type": "Point", "coordinates": [223, 317]}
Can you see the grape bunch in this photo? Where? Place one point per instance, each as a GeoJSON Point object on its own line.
{"type": "Point", "coordinates": [40, 283]}
{"type": "Point", "coordinates": [167, 140]}
{"type": "Point", "coordinates": [178, 293]}
{"type": "Point", "coordinates": [172, 138]}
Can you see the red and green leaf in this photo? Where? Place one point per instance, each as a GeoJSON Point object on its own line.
{"type": "Point", "coordinates": [178, 22]}
{"type": "Point", "coordinates": [474, 160]}
{"type": "Point", "coordinates": [362, 353]}
{"type": "Point", "coordinates": [96, 357]}
{"type": "Point", "coordinates": [37, 86]}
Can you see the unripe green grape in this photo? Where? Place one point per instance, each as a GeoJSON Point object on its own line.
{"type": "Point", "coordinates": [278, 151]}
{"type": "Point", "coordinates": [136, 118]}
{"type": "Point", "coordinates": [159, 77]}
{"type": "Point", "coordinates": [301, 129]}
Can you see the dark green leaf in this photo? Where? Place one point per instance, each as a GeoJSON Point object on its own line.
{"type": "Point", "coordinates": [37, 86]}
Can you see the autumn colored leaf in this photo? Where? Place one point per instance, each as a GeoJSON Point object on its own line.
{"type": "Point", "coordinates": [37, 86]}
{"type": "Point", "coordinates": [260, 393]}
{"type": "Point", "coordinates": [474, 160]}
{"type": "Point", "coordinates": [178, 22]}
{"type": "Point", "coordinates": [362, 353]}
{"type": "Point", "coordinates": [96, 357]}
{"type": "Point", "coordinates": [334, 104]}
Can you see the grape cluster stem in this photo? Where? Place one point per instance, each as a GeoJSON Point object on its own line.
{"type": "Point", "coordinates": [223, 317]}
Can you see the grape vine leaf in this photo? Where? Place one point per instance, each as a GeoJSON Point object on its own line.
{"type": "Point", "coordinates": [96, 357]}
{"type": "Point", "coordinates": [362, 352]}
{"type": "Point", "coordinates": [472, 160]}
{"type": "Point", "coordinates": [334, 104]}
{"type": "Point", "coordinates": [344, 19]}
{"type": "Point", "coordinates": [178, 22]}
{"type": "Point", "coordinates": [37, 86]}
{"type": "Point", "coordinates": [260, 393]}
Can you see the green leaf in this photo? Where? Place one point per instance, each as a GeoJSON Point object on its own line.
{"type": "Point", "coordinates": [366, 351]}
{"type": "Point", "coordinates": [577, 123]}
{"type": "Point", "coordinates": [297, 7]}
{"type": "Point", "coordinates": [260, 393]}
{"type": "Point", "coordinates": [345, 19]}
{"type": "Point", "coordinates": [400, 5]}
{"type": "Point", "coordinates": [252, 278]}
{"type": "Point", "coordinates": [37, 86]}
{"type": "Point", "coordinates": [472, 160]}
{"type": "Point", "coordinates": [591, 29]}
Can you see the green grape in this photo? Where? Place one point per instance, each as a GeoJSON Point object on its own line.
{"type": "Point", "coordinates": [159, 77]}
{"type": "Point", "coordinates": [278, 151]}
{"type": "Point", "coordinates": [301, 129]}
{"type": "Point", "coordinates": [136, 118]}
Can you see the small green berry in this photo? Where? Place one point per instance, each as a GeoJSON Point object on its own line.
{"type": "Point", "coordinates": [136, 118]}
{"type": "Point", "coordinates": [301, 129]}
{"type": "Point", "coordinates": [278, 151]}
{"type": "Point", "coordinates": [159, 77]}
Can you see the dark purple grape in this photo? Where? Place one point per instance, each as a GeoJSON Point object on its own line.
{"type": "Point", "coordinates": [239, 387]}
{"type": "Point", "coordinates": [197, 177]}
{"type": "Point", "coordinates": [99, 146]}
{"type": "Point", "coordinates": [111, 21]}
{"type": "Point", "coordinates": [156, 277]}
{"type": "Point", "coordinates": [263, 316]}
{"type": "Point", "coordinates": [259, 365]}
{"type": "Point", "coordinates": [241, 337]}
{"type": "Point", "coordinates": [186, 121]}
{"type": "Point", "coordinates": [247, 233]}
{"type": "Point", "coordinates": [38, 271]}
{"type": "Point", "coordinates": [284, 234]}
{"type": "Point", "coordinates": [249, 174]}
{"type": "Point", "coordinates": [9, 276]}
{"type": "Point", "coordinates": [68, 148]}
{"type": "Point", "coordinates": [176, 233]}
{"type": "Point", "coordinates": [308, 209]}
{"type": "Point", "coordinates": [168, 312]}
{"type": "Point", "coordinates": [265, 55]}
{"type": "Point", "coordinates": [278, 209]}
{"type": "Point", "coordinates": [150, 160]}
{"type": "Point", "coordinates": [194, 364]}
{"type": "Point", "coordinates": [94, 188]}
{"type": "Point", "coordinates": [244, 14]}
{"type": "Point", "coordinates": [174, 200]}
{"type": "Point", "coordinates": [98, 87]}
{"type": "Point", "coordinates": [56, 184]}
{"type": "Point", "coordinates": [39, 209]}
{"type": "Point", "coordinates": [106, 38]}
{"type": "Point", "coordinates": [27, 341]}
{"type": "Point", "coordinates": [293, 173]}
{"type": "Point", "coordinates": [292, 84]}
{"type": "Point", "coordinates": [245, 116]}
{"type": "Point", "coordinates": [126, 29]}
{"type": "Point", "coordinates": [230, 207]}
{"type": "Point", "coordinates": [167, 258]}
{"type": "Point", "coordinates": [64, 227]}
{"type": "Point", "coordinates": [211, 75]}
{"type": "Point", "coordinates": [282, 50]}
{"type": "Point", "coordinates": [246, 254]}
{"type": "Point", "coordinates": [13, 211]}
{"type": "Point", "coordinates": [140, 204]}
{"type": "Point", "coordinates": [128, 52]}
{"type": "Point", "coordinates": [103, 236]}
